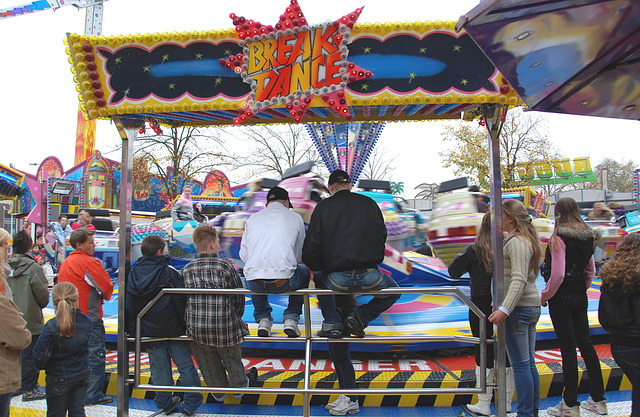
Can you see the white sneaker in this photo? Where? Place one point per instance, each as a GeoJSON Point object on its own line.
{"type": "Point", "coordinates": [291, 328]}
{"type": "Point", "coordinates": [264, 327]}
{"type": "Point", "coordinates": [563, 410]}
{"type": "Point", "coordinates": [345, 407]}
{"type": "Point", "coordinates": [334, 404]}
{"type": "Point", "coordinates": [599, 407]}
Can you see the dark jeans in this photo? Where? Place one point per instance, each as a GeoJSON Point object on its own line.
{"type": "Point", "coordinates": [160, 356]}
{"type": "Point", "coordinates": [569, 316]}
{"type": "Point", "coordinates": [66, 396]}
{"type": "Point", "coordinates": [261, 307]}
{"type": "Point", "coordinates": [628, 359]}
{"type": "Point", "coordinates": [29, 372]}
{"type": "Point", "coordinates": [5, 404]}
{"type": "Point", "coordinates": [341, 357]}
{"type": "Point", "coordinates": [97, 363]}
{"type": "Point", "coordinates": [354, 282]}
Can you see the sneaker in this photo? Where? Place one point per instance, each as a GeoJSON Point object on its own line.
{"type": "Point", "coordinates": [291, 328]}
{"type": "Point", "coordinates": [332, 334]}
{"type": "Point", "coordinates": [264, 327]}
{"type": "Point", "coordinates": [172, 405]}
{"type": "Point", "coordinates": [218, 397]}
{"type": "Point", "coordinates": [563, 410]}
{"type": "Point", "coordinates": [337, 402]}
{"type": "Point", "coordinates": [345, 407]}
{"type": "Point", "coordinates": [353, 324]}
{"type": "Point", "coordinates": [104, 400]}
{"type": "Point", "coordinates": [16, 393]}
{"type": "Point", "coordinates": [33, 395]}
{"type": "Point", "coordinates": [598, 407]}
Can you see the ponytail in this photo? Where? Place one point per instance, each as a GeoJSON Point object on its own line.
{"type": "Point", "coordinates": [65, 298]}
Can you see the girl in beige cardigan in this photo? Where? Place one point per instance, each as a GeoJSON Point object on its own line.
{"type": "Point", "coordinates": [520, 309]}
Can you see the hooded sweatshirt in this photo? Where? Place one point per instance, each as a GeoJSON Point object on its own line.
{"type": "Point", "coordinates": [29, 289]}
{"type": "Point", "coordinates": [146, 279]}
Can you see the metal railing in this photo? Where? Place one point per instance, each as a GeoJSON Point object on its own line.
{"type": "Point", "coordinates": [309, 338]}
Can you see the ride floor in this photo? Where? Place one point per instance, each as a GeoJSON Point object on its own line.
{"type": "Point", "coordinates": [428, 370]}
{"type": "Point", "coordinates": [429, 314]}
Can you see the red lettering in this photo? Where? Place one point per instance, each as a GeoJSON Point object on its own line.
{"type": "Point", "coordinates": [321, 41]}
{"type": "Point", "coordinates": [301, 47]}
{"type": "Point", "coordinates": [318, 71]}
{"type": "Point", "coordinates": [332, 69]}
{"type": "Point", "coordinates": [284, 48]}
{"type": "Point", "coordinates": [282, 84]}
{"type": "Point", "coordinates": [262, 91]}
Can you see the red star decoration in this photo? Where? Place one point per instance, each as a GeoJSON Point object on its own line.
{"type": "Point", "coordinates": [294, 21]}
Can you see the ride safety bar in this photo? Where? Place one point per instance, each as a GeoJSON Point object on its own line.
{"type": "Point", "coordinates": [309, 338]}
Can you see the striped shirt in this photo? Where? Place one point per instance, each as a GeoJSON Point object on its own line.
{"type": "Point", "coordinates": [214, 320]}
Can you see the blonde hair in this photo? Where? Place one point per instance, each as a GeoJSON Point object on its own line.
{"type": "Point", "coordinates": [85, 215]}
{"type": "Point", "coordinates": [482, 244]}
{"type": "Point", "coordinates": [5, 237]}
{"type": "Point", "coordinates": [65, 298]}
{"type": "Point", "coordinates": [202, 236]}
{"type": "Point", "coordinates": [523, 227]}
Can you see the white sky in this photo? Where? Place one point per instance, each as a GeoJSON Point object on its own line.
{"type": "Point", "coordinates": [38, 101]}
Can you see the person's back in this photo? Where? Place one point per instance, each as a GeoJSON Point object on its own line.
{"type": "Point", "coordinates": [353, 233]}
{"type": "Point", "coordinates": [63, 352]}
{"type": "Point", "coordinates": [31, 294]}
{"type": "Point", "coordinates": [214, 322]}
{"type": "Point", "coordinates": [146, 279]}
{"type": "Point", "coordinates": [94, 287]}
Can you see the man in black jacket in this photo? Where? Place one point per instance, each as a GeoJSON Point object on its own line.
{"type": "Point", "coordinates": [344, 245]}
{"type": "Point", "coordinates": [147, 278]}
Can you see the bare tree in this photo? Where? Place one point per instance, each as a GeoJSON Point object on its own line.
{"type": "Point", "coordinates": [620, 175]}
{"type": "Point", "coordinates": [179, 154]}
{"type": "Point", "coordinates": [380, 165]}
{"type": "Point", "coordinates": [269, 150]}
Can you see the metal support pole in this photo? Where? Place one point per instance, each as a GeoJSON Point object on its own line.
{"type": "Point", "coordinates": [493, 115]}
{"type": "Point", "coordinates": [128, 132]}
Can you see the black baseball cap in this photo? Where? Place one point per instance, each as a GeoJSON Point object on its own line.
{"type": "Point", "coordinates": [278, 193]}
{"type": "Point", "coordinates": [338, 176]}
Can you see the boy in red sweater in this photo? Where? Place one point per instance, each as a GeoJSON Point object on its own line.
{"type": "Point", "coordinates": [94, 287]}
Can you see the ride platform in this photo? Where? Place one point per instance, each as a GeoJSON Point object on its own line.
{"type": "Point", "coordinates": [428, 369]}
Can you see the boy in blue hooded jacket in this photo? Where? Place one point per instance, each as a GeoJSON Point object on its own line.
{"type": "Point", "coordinates": [147, 278]}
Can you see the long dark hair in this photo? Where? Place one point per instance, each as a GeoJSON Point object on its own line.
{"type": "Point", "coordinates": [567, 214]}
{"type": "Point", "coordinates": [482, 244]}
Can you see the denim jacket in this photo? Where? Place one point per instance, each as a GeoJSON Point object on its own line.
{"type": "Point", "coordinates": [64, 359]}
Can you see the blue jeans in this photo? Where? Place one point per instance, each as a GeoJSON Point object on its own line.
{"type": "Point", "coordinates": [569, 316]}
{"type": "Point", "coordinates": [97, 363]}
{"type": "Point", "coordinates": [160, 356]}
{"type": "Point", "coordinates": [354, 282]}
{"type": "Point", "coordinates": [628, 359]}
{"type": "Point", "coordinates": [520, 329]}
{"type": "Point", "coordinates": [29, 372]}
{"type": "Point", "coordinates": [261, 307]}
{"type": "Point", "coordinates": [5, 404]}
{"type": "Point", "coordinates": [66, 396]}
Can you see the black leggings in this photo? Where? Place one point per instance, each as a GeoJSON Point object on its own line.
{"type": "Point", "coordinates": [484, 304]}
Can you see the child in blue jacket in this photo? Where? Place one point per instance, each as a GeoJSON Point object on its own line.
{"type": "Point", "coordinates": [62, 350]}
{"type": "Point", "coordinates": [146, 279]}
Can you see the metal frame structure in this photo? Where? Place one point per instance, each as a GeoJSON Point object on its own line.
{"type": "Point", "coordinates": [309, 339]}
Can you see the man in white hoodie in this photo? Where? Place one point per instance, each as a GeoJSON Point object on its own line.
{"type": "Point", "coordinates": [271, 249]}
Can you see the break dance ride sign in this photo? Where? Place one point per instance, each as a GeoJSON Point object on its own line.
{"type": "Point", "coordinates": [293, 62]}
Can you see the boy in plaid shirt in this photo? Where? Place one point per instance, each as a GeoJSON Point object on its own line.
{"type": "Point", "coordinates": [214, 322]}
